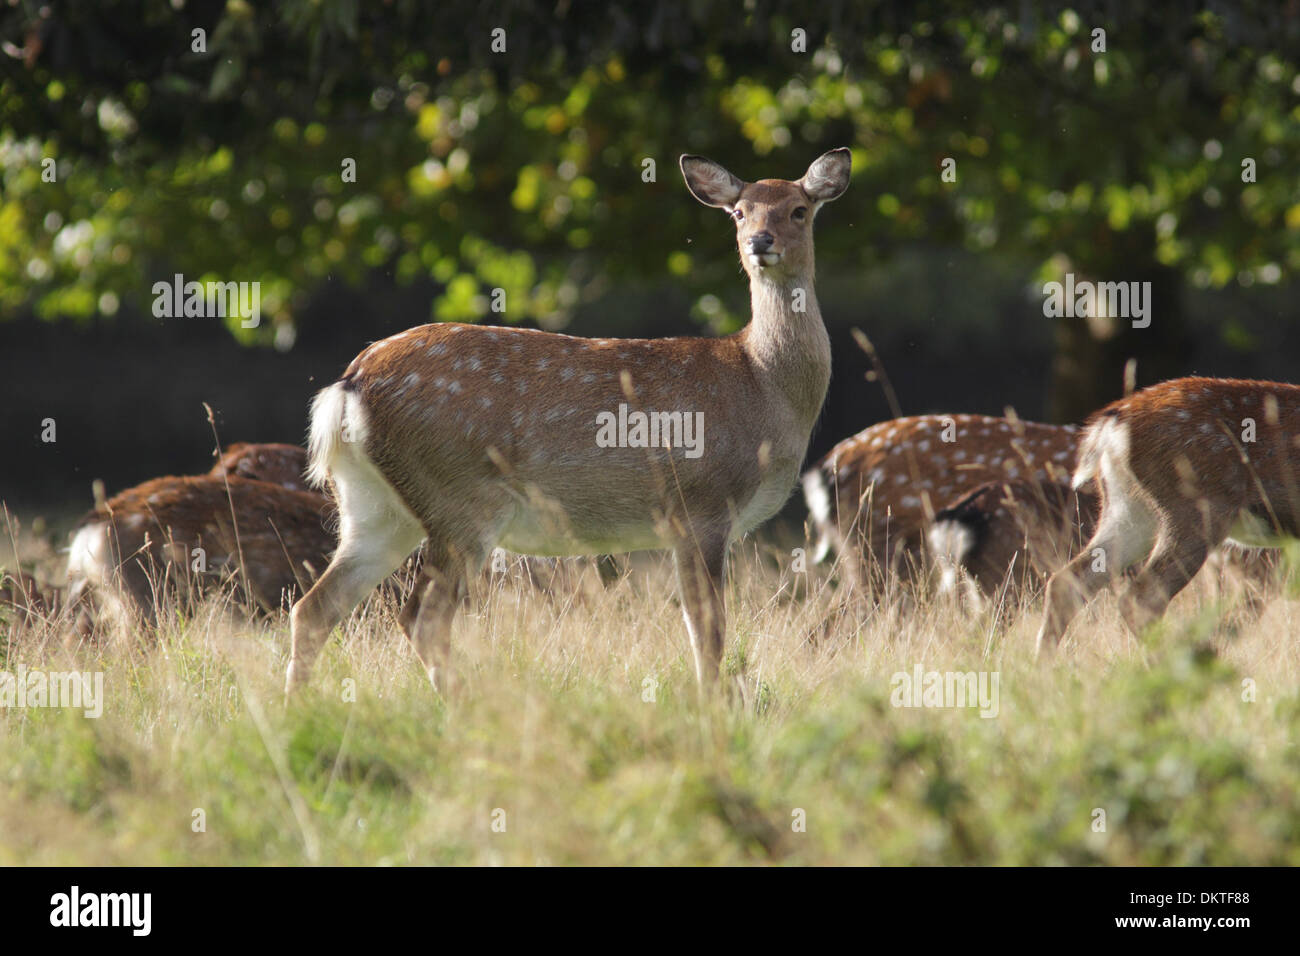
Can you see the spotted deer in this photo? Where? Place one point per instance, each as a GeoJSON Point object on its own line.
{"type": "Point", "coordinates": [467, 437]}
{"type": "Point", "coordinates": [1183, 466]}
{"type": "Point", "coordinates": [281, 464]}
{"type": "Point", "coordinates": [1006, 538]}
{"type": "Point", "coordinates": [873, 496]}
{"type": "Point", "coordinates": [178, 537]}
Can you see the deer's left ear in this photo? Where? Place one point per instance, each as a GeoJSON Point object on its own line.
{"type": "Point", "coordinates": [828, 176]}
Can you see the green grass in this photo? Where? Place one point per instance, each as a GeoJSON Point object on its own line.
{"type": "Point", "coordinates": [550, 727]}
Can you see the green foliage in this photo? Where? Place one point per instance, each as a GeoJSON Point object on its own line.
{"type": "Point", "coordinates": [523, 170]}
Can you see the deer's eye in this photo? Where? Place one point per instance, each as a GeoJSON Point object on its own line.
{"type": "Point", "coordinates": [737, 215]}
{"type": "Point", "coordinates": [800, 213]}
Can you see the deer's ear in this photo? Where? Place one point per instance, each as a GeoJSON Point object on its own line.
{"type": "Point", "coordinates": [828, 176]}
{"type": "Point", "coordinates": [710, 183]}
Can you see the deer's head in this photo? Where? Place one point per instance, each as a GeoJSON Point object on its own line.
{"type": "Point", "coordinates": [773, 217]}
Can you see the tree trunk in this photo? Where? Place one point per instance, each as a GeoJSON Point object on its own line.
{"type": "Point", "coordinates": [1088, 367]}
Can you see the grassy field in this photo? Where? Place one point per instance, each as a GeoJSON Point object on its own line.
{"type": "Point", "coordinates": [576, 738]}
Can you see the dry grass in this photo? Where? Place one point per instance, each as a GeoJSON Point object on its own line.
{"type": "Point", "coordinates": [577, 725]}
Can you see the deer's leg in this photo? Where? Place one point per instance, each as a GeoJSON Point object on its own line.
{"type": "Point", "coordinates": [427, 616]}
{"type": "Point", "coordinates": [352, 574]}
{"type": "Point", "coordinates": [1124, 536]}
{"type": "Point", "coordinates": [411, 606]}
{"type": "Point", "coordinates": [1068, 590]}
{"type": "Point", "coordinates": [700, 566]}
{"type": "Point", "coordinates": [609, 569]}
{"type": "Point", "coordinates": [376, 534]}
{"type": "Point", "coordinates": [430, 633]}
{"type": "Point", "coordinates": [1180, 552]}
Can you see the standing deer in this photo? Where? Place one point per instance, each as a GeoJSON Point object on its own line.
{"type": "Point", "coordinates": [873, 495]}
{"type": "Point", "coordinates": [466, 437]}
{"type": "Point", "coordinates": [1183, 465]}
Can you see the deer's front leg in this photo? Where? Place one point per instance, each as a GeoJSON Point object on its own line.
{"type": "Point", "coordinates": [700, 577]}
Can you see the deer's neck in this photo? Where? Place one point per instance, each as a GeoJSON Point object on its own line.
{"type": "Point", "coordinates": [787, 343]}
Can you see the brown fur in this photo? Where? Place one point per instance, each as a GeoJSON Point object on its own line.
{"type": "Point", "coordinates": [471, 437]}
{"type": "Point", "coordinates": [27, 599]}
{"type": "Point", "coordinates": [885, 483]}
{"type": "Point", "coordinates": [286, 465]}
{"type": "Point", "coordinates": [1177, 479]}
{"type": "Point", "coordinates": [280, 464]}
{"type": "Point", "coordinates": [1020, 532]}
{"type": "Point", "coordinates": [268, 540]}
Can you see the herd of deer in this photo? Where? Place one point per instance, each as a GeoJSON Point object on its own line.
{"type": "Point", "coordinates": [452, 440]}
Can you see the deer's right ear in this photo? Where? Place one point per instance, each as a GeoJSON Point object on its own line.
{"type": "Point", "coordinates": [710, 183]}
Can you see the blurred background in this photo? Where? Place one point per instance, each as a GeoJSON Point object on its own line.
{"type": "Point", "coordinates": [377, 166]}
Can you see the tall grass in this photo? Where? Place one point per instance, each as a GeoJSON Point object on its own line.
{"type": "Point", "coordinates": [576, 737]}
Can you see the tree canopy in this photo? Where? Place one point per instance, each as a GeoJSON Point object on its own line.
{"type": "Point", "coordinates": [506, 145]}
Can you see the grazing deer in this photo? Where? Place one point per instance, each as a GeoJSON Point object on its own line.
{"type": "Point", "coordinates": [1005, 535]}
{"type": "Point", "coordinates": [27, 598]}
{"type": "Point", "coordinates": [873, 495]}
{"type": "Point", "coordinates": [185, 535]}
{"type": "Point", "coordinates": [466, 437]}
{"type": "Point", "coordinates": [280, 464]}
{"type": "Point", "coordinates": [1183, 465]}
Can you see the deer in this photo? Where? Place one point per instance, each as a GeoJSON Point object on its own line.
{"type": "Point", "coordinates": [286, 465]}
{"type": "Point", "coordinates": [871, 498]}
{"type": "Point", "coordinates": [1183, 466]}
{"type": "Point", "coordinates": [1008, 537]}
{"type": "Point", "coordinates": [27, 599]}
{"type": "Point", "coordinates": [185, 535]}
{"type": "Point", "coordinates": [279, 463]}
{"type": "Point", "coordinates": [465, 437]}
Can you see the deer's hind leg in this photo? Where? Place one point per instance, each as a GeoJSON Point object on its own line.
{"type": "Point", "coordinates": [376, 534]}
{"type": "Point", "coordinates": [1126, 531]}
{"type": "Point", "coordinates": [1180, 551]}
{"type": "Point", "coordinates": [439, 590]}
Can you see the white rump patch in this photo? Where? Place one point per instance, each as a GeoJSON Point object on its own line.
{"type": "Point", "coordinates": [817, 496]}
{"type": "Point", "coordinates": [950, 543]}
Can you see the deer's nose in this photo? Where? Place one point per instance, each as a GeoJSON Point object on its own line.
{"type": "Point", "coordinates": [760, 242]}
